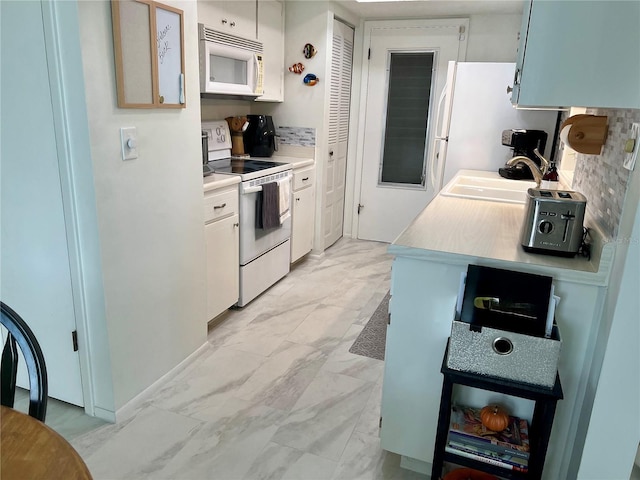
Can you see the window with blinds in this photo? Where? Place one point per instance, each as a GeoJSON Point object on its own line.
{"type": "Point", "coordinates": [410, 84]}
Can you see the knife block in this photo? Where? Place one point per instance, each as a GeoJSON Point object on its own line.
{"type": "Point", "coordinates": [236, 125]}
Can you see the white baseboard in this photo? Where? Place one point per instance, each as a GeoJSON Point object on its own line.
{"type": "Point", "coordinates": [133, 405]}
{"type": "Point", "coordinates": [106, 415]}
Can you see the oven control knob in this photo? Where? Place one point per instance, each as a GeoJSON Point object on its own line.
{"type": "Point", "coordinates": [545, 226]}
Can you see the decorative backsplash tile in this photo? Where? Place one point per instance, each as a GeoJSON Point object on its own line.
{"type": "Point", "coordinates": [602, 178]}
{"type": "Point", "coordinates": [303, 136]}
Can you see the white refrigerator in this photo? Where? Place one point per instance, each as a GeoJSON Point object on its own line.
{"type": "Point", "coordinates": [473, 110]}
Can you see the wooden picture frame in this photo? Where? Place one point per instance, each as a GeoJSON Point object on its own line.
{"type": "Point", "coordinates": [148, 39]}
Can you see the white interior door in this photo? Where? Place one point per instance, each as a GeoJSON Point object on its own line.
{"type": "Point", "coordinates": [35, 275]}
{"type": "Point", "coordinates": [335, 168]}
{"type": "Point", "coordinates": [407, 71]}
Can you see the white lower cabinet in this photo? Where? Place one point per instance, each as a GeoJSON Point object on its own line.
{"type": "Point", "coordinates": [302, 212]}
{"type": "Point", "coordinates": [223, 254]}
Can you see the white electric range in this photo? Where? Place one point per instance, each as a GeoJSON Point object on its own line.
{"type": "Point", "coordinates": [265, 254]}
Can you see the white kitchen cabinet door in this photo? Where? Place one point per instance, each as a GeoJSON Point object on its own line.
{"type": "Point", "coordinates": [237, 17]}
{"type": "Point", "coordinates": [223, 265]}
{"type": "Point", "coordinates": [582, 54]}
{"type": "Point", "coordinates": [335, 166]}
{"type": "Point", "coordinates": [302, 222]}
{"type": "Point", "coordinates": [37, 251]}
{"type": "Point", "coordinates": [271, 34]}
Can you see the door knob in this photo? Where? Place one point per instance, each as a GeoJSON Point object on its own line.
{"type": "Point", "coordinates": [331, 153]}
{"type": "Point", "coordinates": [509, 89]}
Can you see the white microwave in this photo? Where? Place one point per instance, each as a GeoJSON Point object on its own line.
{"type": "Point", "coordinates": [230, 65]}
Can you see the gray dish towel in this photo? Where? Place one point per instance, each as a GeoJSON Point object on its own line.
{"type": "Point", "coordinates": [269, 211]}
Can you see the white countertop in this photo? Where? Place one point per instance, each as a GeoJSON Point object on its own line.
{"type": "Point", "coordinates": [461, 230]}
{"type": "Point", "coordinates": [216, 181]}
{"type": "Point", "coordinates": [296, 162]}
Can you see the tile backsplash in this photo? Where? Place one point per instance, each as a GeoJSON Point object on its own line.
{"type": "Point", "coordinates": [302, 136]}
{"type": "Point", "coordinates": [602, 178]}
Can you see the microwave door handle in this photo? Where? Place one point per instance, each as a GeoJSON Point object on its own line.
{"type": "Point", "coordinates": [256, 72]}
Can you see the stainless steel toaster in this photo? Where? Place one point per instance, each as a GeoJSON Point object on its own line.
{"type": "Point", "coordinates": [553, 222]}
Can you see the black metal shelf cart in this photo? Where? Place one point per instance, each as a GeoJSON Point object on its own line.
{"type": "Point", "coordinates": [539, 430]}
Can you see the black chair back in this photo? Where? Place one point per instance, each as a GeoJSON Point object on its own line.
{"type": "Point", "coordinates": [20, 333]}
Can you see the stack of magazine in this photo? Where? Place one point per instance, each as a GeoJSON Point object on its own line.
{"type": "Point", "coordinates": [469, 438]}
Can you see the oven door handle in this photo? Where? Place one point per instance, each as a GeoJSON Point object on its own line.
{"type": "Point", "coordinates": [252, 189]}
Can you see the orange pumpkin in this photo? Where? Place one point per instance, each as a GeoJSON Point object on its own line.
{"type": "Point", "coordinates": [494, 417]}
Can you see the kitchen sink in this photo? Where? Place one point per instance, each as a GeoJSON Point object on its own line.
{"type": "Point", "coordinates": [488, 187]}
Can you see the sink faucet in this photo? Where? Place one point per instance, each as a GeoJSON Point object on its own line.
{"type": "Point", "coordinates": [543, 162]}
{"type": "Point", "coordinates": [537, 173]}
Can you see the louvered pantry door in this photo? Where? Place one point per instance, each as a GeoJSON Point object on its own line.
{"type": "Point", "coordinates": [336, 164]}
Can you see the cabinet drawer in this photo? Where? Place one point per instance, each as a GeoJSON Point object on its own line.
{"type": "Point", "coordinates": [303, 177]}
{"type": "Point", "coordinates": [220, 204]}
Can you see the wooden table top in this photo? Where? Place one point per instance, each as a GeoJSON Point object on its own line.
{"type": "Point", "coordinates": [30, 449]}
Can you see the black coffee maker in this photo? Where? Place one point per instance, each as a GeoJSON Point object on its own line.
{"type": "Point", "coordinates": [523, 142]}
{"type": "Point", "coordinates": [260, 136]}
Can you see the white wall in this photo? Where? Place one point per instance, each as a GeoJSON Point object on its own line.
{"type": "Point", "coordinates": [493, 38]}
{"type": "Point", "coordinates": [613, 394]}
{"type": "Point", "coordinates": [615, 413]}
{"type": "Point", "coordinates": [150, 215]}
{"type": "Point", "coordinates": [221, 109]}
{"type": "Point", "coordinates": [305, 22]}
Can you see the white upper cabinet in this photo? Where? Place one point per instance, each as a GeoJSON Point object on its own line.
{"type": "Point", "coordinates": [579, 54]}
{"type": "Point", "coordinates": [237, 17]}
{"type": "Point", "coordinates": [271, 34]}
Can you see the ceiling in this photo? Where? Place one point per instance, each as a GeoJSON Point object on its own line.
{"type": "Point", "coordinates": [430, 8]}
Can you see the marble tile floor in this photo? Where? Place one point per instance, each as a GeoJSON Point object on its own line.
{"type": "Point", "coordinates": [276, 394]}
{"type": "Point", "coordinates": [66, 419]}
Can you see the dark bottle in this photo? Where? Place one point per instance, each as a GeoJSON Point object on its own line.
{"type": "Point", "coordinates": [552, 173]}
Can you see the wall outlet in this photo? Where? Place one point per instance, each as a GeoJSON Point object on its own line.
{"type": "Point", "coordinates": [129, 143]}
{"type": "Point", "coordinates": [633, 144]}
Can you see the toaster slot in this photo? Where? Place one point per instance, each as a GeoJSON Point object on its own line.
{"type": "Point", "coordinates": [567, 217]}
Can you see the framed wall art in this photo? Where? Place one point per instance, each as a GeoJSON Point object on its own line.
{"type": "Point", "coordinates": [148, 39]}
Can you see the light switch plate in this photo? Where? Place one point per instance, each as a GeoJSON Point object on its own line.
{"type": "Point", "coordinates": [630, 158]}
{"type": "Point", "coordinates": [129, 143]}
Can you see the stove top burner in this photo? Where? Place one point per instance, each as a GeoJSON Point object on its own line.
{"type": "Point", "coordinates": [245, 165]}
{"type": "Point", "coordinates": [247, 168]}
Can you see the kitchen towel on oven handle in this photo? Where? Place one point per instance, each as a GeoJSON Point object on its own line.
{"type": "Point", "coordinates": [267, 206]}
{"type": "Point", "coordinates": [284, 191]}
